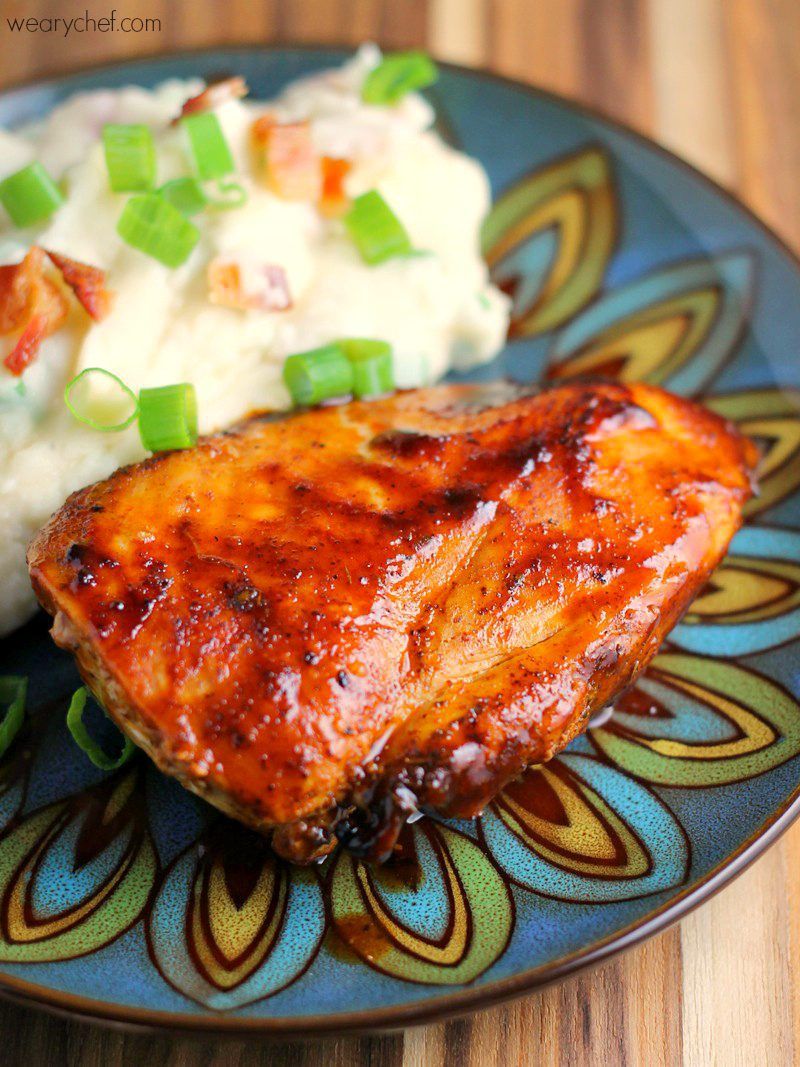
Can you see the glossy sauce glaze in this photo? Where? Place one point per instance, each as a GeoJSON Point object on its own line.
{"type": "Point", "coordinates": [326, 621]}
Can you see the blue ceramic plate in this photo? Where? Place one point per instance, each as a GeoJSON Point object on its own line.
{"type": "Point", "coordinates": [122, 897]}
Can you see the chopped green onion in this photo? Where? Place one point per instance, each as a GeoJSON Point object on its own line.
{"type": "Point", "coordinates": [30, 195]}
{"type": "Point", "coordinates": [319, 374]}
{"type": "Point", "coordinates": [99, 423]}
{"type": "Point", "coordinates": [168, 417]}
{"type": "Point", "coordinates": [154, 226]}
{"type": "Point", "coordinates": [376, 230]}
{"type": "Point", "coordinates": [396, 75]}
{"type": "Point", "coordinates": [233, 194]}
{"type": "Point", "coordinates": [130, 157]}
{"type": "Point", "coordinates": [13, 689]}
{"type": "Point", "coordinates": [373, 369]}
{"type": "Point", "coordinates": [86, 743]}
{"type": "Point", "coordinates": [212, 156]}
{"type": "Point", "coordinates": [186, 194]}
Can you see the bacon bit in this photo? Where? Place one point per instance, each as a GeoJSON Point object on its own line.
{"type": "Point", "coordinates": [16, 282]}
{"type": "Point", "coordinates": [227, 286]}
{"type": "Point", "coordinates": [26, 349]}
{"type": "Point", "coordinates": [213, 95]}
{"type": "Point", "coordinates": [87, 283]}
{"type": "Point", "coordinates": [334, 200]}
{"type": "Point", "coordinates": [291, 165]}
{"type": "Point", "coordinates": [31, 302]}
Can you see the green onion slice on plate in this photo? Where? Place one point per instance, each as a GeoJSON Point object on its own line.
{"type": "Point", "coordinates": [130, 157]}
{"type": "Point", "coordinates": [30, 195]}
{"type": "Point", "coordinates": [13, 690]}
{"type": "Point", "coordinates": [168, 417]}
{"type": "Point", "coordinates": [319, 374]}
{"type": "Point", "coordinates": [212, 156]}
{"type": "Point", "coordinates": [86, 742]}
{"type": "Point", "coordinates": [373, 367]}
{"type": "Point", "coordinates": [92, 414]}
{"type": "Point", "coordinates": [186, 194]}
{"type": "Point", "coordinates": [396, 75]}
{"type": "Point", "coordinates": [154, 226]}
{"type": "Point", "coordinates": [376, 230]}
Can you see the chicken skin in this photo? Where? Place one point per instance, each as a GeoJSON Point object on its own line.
{"type": "Point", "coordinates": [325, 621]}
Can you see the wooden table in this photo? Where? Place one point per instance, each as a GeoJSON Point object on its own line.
{"type": "Point", "coordinates": [718, 81]}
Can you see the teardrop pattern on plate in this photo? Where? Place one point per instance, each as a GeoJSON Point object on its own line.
{"type": "Point", "coordinates": [697, 722]}
{"type": "Point", "coordinates": [231, 923]}
{"type": "Point", "coordinates": [772, 418]}
{"type": "Point", "coordinates": [752, 600]}
{"type": "Point", "coordinates": [675, 327]}
{"type": "Point", "coordinates": [548, 239]}
{"type": "Point", "coordinates": [76, 874]}
{"type": "Point", "coordinates": [578, 830]}
{"type": "Point", "coordinates": [441, 914]}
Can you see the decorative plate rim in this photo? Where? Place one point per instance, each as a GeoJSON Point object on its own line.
{"type": "Point", "coordinates": [143, 1020]}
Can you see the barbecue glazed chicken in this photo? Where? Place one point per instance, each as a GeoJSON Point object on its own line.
{"type": "Point", "coordinates": [323, 622]}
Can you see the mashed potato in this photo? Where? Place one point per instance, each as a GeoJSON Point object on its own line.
{"type": "Point", "coordinates": [437, 309]}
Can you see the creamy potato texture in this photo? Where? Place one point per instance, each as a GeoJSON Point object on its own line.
{"type": "Point", "coordinates": [437, 309]}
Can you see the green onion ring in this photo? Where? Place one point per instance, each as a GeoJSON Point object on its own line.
{"type": "Point", "coordinates": [377, 232]}
{"type": "Point", "coordinates": [86, 743]}
{"type": "Point", "coordinates": [95, 425]}
{"type": "Point", "coordinates": [209, 146]}
{"type": "Point", "coordinates": [396, 75]}
{"type": "Point", "coordinates": [373, 366]}
{"type": "Point", "coordinates": [319, 374]}
{"type": "Point", "coordinates": [130, 156]}
{"type": "Point", "coordinates": [168, 417]}
{"type": "Point", "coordinates": [153, 225]}
{"type": "Point", "coordinates": [30, 195]}
{"type": "Point", "coordinates": [13, 689]}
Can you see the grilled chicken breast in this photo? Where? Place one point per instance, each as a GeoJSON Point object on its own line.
{"type": "Point", "coordinates": [324, 621]}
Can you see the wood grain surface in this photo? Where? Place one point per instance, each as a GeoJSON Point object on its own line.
{"type": "Point", "coordinates": [718, 81]}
